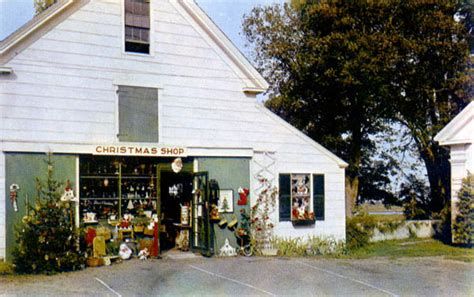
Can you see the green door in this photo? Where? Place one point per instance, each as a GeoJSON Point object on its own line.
{"type": "Point", "coordinates": [202, 231]}
{"type": "Point", "coordinates": [22, 169]}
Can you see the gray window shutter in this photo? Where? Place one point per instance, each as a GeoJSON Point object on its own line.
{"type": "Point", "coordinates": [138, 114]}
{"type": "Point", "coordinates": [318, 196]}
{"type": "Point", "coordinates": [285, 197]}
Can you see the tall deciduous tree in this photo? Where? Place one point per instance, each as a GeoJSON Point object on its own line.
{"type": "Point", "coordinates": [429, 85]}
{"type": "Point", "coordinates": [340, 69]}
{"type": "Point", "coordinates": [326, 63]}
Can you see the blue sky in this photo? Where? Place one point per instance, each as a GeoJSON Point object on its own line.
{"type": "Point", "coordinates": [227, 14]}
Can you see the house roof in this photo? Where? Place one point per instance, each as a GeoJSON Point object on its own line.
{"type": "Point", "coordinates": [460, 130]}
{"type": "Point", "coordinates": [14, 39]}
{"type": "Point", "coordinates": [41, 23]}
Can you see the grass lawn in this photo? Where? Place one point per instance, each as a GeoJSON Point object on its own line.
{"type": "Point", "coordinates": [413, 248]}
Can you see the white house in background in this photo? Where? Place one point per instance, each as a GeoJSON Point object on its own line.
{"type": "Point", "coordinates": [117, 89]}
{"type": "Point", "coordinates": [458, 135]}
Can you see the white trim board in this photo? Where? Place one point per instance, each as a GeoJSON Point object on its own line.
{"type": "Point", "coordinates": [65, 148]}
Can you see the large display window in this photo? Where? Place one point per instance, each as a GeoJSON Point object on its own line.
{"type": "Point", "coordinates": [111, 187]}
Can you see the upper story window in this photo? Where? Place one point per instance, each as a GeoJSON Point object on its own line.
{"type": "Point", "coordinates": [138, 114]}
{"type": "Point", "coordinates": [137, 26]}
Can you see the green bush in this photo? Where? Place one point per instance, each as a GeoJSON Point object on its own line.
{"type": "Point", "coordinates": [463, 229]}
{"type": "Point", "coordinates": [5, 268]}
{"type": "Point", "coordinates": [359, 230]}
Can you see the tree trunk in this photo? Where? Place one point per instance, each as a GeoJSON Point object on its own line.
{"type": "Point", "coordinates": [352, 190]}
{"type": "Point", "coordinates": [438, 168]}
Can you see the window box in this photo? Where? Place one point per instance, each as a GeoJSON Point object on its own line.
{"type": "Point", "coordinates": [303, 222]}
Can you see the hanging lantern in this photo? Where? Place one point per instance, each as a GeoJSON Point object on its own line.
{"type": "Point", "coordinates": [177, 165]}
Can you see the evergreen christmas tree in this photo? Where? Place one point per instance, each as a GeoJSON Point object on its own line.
{"type": "Point", "coordinates": [463, 229]}
{"type": "Point", "coordinates": [47, 241]}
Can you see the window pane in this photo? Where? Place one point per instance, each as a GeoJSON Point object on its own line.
{"type": "Point", "coordinates": [300, 197]}
{"type": "Point", "coordinates": [137, 26]}
{"type": "Point", "coordinates": [318, 196]}
{"type": "Point", "coordinates": [138, 114]}
{"type": "Point", "coordinates": [285, 197]}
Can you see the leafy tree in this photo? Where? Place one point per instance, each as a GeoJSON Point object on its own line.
{"type": "Point", "coordinates": [415, 196]}
{"type": "Point", "coordinates": [340, 70]}
{"type": "Point", "coordinates": [428, 87]}
{"type": "Point", "coordinates": [42, 5]}
{"type": "Point", "coordinates": [375, 179]}
{"type": "Point", "coordinates": [326, 62]}
{"type": "Point", "coordinates": [46, 239]}
{"type": "Point", "coordinates": [463, 227]}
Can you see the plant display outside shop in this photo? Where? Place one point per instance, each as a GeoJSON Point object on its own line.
{"type": "Point", "coordinates": [47, 241]}
{"type": "Point", "coordinates": [261, 224]}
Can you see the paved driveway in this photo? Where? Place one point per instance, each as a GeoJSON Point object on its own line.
{"type": "Point", "coordinates": [256, 277]}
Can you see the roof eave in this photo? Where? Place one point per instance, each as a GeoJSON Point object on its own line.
{"type": "Point", "coordinates": [24, 31]}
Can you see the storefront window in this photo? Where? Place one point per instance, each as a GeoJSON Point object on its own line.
{"type": "Point", "coordinates": [111, 187]}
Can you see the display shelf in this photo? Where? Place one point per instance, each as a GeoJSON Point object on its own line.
{"type": "Point", "coordinates": [117, 181]}
{"type": "Point", "coordinates": [117, 198]}
{"type": "Point", "coordinates": [115, 176]}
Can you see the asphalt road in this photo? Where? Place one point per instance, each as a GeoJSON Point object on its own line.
{"type": "Point", "coordinates": [255, 277]}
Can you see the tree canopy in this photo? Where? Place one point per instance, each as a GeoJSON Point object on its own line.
{"type": "Point", "coordinates": [342, 70]}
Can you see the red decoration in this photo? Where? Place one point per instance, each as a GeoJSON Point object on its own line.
{"type": "Point", "coordinates": [155, 248]}
{"type": "Point", "coordinates": [90, 235]}
{"type": "Point", "coordinates": [243, 194]}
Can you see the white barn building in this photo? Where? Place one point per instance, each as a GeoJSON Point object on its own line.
{"type": "Point", "coordinates": [117, 89]}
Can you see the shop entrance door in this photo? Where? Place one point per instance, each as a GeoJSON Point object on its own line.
{"type": "Point", "coordinates": [202, 231]}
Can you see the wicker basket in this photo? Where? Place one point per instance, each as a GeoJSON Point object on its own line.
{"type": "Point", "coordinates": [94, 262]}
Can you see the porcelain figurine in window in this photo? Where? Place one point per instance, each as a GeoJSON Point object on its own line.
{"type": "Point", "coordinates": [301, 187]}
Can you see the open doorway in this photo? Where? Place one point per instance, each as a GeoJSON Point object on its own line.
{"type": "Point", "coordinates": [176, 192]}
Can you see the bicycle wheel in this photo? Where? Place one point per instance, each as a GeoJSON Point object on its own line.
{"type": "Point", "coordinates": [247, 250]}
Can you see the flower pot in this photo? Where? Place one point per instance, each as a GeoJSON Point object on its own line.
{"type": "Point", "coordinates": [269, 252]}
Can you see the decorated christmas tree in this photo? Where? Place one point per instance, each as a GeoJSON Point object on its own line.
{"type": "Point", "coordinates": [47, 241]}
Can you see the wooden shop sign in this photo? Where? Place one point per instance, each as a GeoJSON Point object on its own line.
{"type": "Point", "coordinates": [140, 150]}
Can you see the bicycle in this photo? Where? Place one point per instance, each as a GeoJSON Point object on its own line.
{"type": "Point", "coordinates": [245, 247]}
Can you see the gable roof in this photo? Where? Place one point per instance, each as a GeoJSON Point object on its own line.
{"type": "Point", "coordinates": [460, 130]}
{"type": "Point", "coordinates": [41, 23]}
{"type": "Point", "coordinates": [14, 39]}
